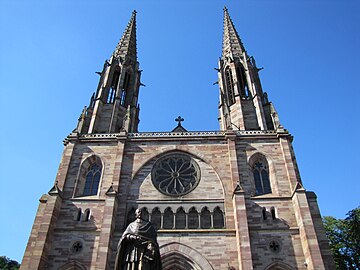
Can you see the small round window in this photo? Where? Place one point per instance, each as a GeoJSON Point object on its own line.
{"type": "Point", "coordinates": [175, 174]}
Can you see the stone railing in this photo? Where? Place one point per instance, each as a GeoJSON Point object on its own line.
{"type": "Point", "coordinates": [255, 132]}
{"type": "Point", "coordinates": [176, 134]}
{"type": "Point", "coordinates": [238, 133]}
{"type": "Point", "coordinates": [100, 135]}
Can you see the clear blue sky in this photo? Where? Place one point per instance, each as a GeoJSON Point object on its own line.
{"type": "Point", "coordinates": [49, 53]}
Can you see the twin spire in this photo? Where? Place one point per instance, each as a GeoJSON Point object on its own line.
{"type": "Point", "coordinates": [114, 107]}
{"type": "Point", "coordinates": [127, 43]}
{"type": "Point", "coordinates": [232, 44]}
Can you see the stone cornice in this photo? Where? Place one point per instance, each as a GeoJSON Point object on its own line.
{"type": "Point", "coordinates": [195, 135]}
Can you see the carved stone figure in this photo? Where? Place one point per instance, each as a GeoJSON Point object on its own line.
{"type": "Point", "coordinates": [138, 248]}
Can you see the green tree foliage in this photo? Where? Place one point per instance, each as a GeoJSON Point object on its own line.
{"type": "Point", "coordinates": [7, 264]}
{"type": "Point", "coordinates": [344, 239]}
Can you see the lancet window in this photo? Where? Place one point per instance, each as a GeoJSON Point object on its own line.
{"type": "Point", "coordinates": [261, 177]}
{"type": "Point", "coordinates": [113, 87]}
{"type": "Point", "coordinates": [125, 88]}
{"type": "Point", "coordinates": [180, 219]}
{"type": "Point", "coordinates": [230, 86]}
{"type": "Point", "coordinates": [205, 218]}
{"type": "Point", "coordinates": [92, 180]}
{"type": "Point", "coordinates": [79, 214]}
{"type": "Point", "coordinates": [218, 218]}
{"type": "Point", "coordinates": [193, 219]}
{"type": "Point", "coordinates": [168, 222]}
{"type": "Point", "coordinates": [243, 86]}
{"type": "Point", "coordinates": [156, 218]}
{"type": "Point", "coordinates": [145, 214]}
{"type": "Point", "coordinates": [130, 216]}
{"type": "Point", "coordinates": [87, 215]}
{"type": "Point", "coordinates": [89, 178]}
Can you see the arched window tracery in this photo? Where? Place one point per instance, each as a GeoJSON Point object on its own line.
{"type": "Point", "coordinates": [92, 180]}
{"type": "Point", "coordinates": [89, 178]}
{"type": "Point", "coordinates": [260, 172]}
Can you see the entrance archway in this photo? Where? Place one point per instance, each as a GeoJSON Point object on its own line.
{"type": "Point", "coordinates": [279, 266]}
{"type": "Point", "coordinates": [73, 265]}
{"type": "Point", "coordinates": [176, 256]}
{"type": "Point", "coordinates": [177, 261]}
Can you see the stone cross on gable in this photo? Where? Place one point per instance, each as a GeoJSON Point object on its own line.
{"type": "Point", "coordinates": [179, 119]}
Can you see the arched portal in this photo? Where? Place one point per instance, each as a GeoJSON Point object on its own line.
{"type": "Point", "coordinates": [73, 265]}
{"type": "Point", "coordinates": [176, 256]}
{"type": "Point", "coordinates": [177, 261]}
{"type": "Point", "coordinates": [279, 266]}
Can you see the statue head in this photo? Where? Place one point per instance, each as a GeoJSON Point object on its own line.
{"type": "Point", "coordinates": [138, 213]}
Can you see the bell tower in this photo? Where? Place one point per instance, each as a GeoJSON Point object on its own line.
{"type": "Point", "coordinates": [243, 104]}
{"type": "Point", "coordinates": [114, 106]}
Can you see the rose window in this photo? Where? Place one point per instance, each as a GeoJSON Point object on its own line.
{"type": "Point", "coordinates": [175, 174]}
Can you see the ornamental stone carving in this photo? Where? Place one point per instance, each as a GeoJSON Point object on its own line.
{"type": "Point", "coordinates": [175, 174]}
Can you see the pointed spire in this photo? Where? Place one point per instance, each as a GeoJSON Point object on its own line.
{"type": "Point", "coordinates": [127, 43]}
{"type": "Point", "coordinates": [232, 45]}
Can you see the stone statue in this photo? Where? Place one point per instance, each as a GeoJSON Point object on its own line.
{"type": "Point", "coordinates": [138, 248]}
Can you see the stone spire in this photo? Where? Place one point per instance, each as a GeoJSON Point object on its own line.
{"type": "Point", "coordinates": [127, 43]}
{"type": "Point", "coordinates": [243, 104]}
{"type": "Point", "coordinates": [114, 106]}
{"type": "Point", "coordinates": [232, 45]}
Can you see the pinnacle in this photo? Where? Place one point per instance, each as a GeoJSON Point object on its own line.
{"type": "Point", "coordinates": [127, 43]}
{"type": "Point", "coordinates": [232, 45]}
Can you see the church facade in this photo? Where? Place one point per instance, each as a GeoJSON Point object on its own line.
{"type": "Point", "coordinates": [227, 199]}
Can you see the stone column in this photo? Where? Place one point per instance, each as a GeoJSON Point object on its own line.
{"type": "Point", "coordinates": [308, 237]}
{"type": "Point", "coordinates": [239, 205]}
{"type": "Point", "coordinates": [39, 244]}
{"type": "Point", "coordinates": [104, 250]}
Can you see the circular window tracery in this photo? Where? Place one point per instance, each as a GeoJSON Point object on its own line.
{"type": "Point", "coordinates": [175, 174]}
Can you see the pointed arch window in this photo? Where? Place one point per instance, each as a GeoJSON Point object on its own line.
{"type": "Point", "coordinates": [193, 218]}
{"type": "Point", "coordinates": [89, 178]}
{"type": "Point", "coordinates": [79, 214]}
{"type": "Point", "coordinates": [87, 215]}
{"type": "Point", "coordinates": [180, 219]}
{"type": "Point", "coordinates": [130, 216]}
{"type": "Point", "coordinates": [168, 222]}
{"type": "Point", "coordinates": [218, 218]}
{"type": "Point", "coordinates": [92, 180]}
{"type": "Point", "coordinates": [125, 88]}
{"type": "Point", "coordinates": [261, 177]}
{"type": "Point", "coordinates": [205, 218]}
{"type": "Point", "coordinates": [114, 86]}
{"type": "Point", "coordinates": [156, 218]}
{"type": "Point", "coordinates": [230, 86]}
{"type": "Point", "coordinates": [264, 214]}
{"type": "Point", "coordinates": [145, 214]}
{"type": "Point", "coordinates": [243, 86]}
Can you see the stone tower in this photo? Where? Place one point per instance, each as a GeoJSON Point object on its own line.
{"type": "Point", "coordinates": [228, 199]}
{"type": "Point", "coordinates": [114, 107]}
